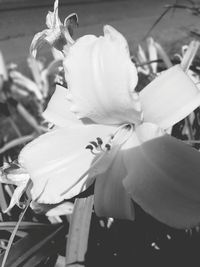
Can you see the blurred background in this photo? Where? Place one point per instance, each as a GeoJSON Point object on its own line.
{"type": "Point", "coordinates": [21, 19]}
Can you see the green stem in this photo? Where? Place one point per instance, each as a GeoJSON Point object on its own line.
{"type": "Point", "coordinates": [79, 232]}
{"type": "Point", "coordinates": [11, 239]}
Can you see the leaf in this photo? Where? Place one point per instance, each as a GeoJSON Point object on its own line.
{"type": "Point", "coordinates": [29, 118]}
{"type": "Point", "coordinates": [26, 226]}
{"type": "Point", "coordinates": [161, 52]}
{"type": "Point", "coordinates": [11, 239]}
{"type": "Point", "coordinates": [3, 202]}
{"type": "Point", "coordinates": [157, 21]}
{"type": "Point", "coordinates": [79, 232]}
{"type": "Point", "coordinates": [16, 142]}
{"type": "Point", "coordinates": [37, 245]}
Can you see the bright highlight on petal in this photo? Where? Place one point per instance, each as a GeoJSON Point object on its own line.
{"type": "Point", "coordinates": [58, 159]}
{"type": "Point", "coordinates": [58, 110]}
{"type": "Point", "coordinates": [169, 98]}
{"type": "Point", "coordinates": [104, 89]}
{"type": "Point", "coordinates": [163, 176]}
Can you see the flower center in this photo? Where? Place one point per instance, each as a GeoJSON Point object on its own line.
{"type": "Point", "coordinates": [104, 153]}
{"type": "Point", "coordinates": [96, 146]}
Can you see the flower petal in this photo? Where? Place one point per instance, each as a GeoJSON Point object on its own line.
{"type": "Point", "coordinates": [153, 55]}
{"type": "Point", "coordinates": [57, 160]}
{"type": "Point", "coordinates": [16, 176]}
{"type": "Point", "coordinates": [110, 197]}
{"type": "Point", "coordinates": [59, 111]}
{"type": "Point", "coordinates": [169, 98]}
{"type": "Point", "coordinates": [60, 209]}
{"type": "Point", "coordinates": [163, 176]}
{"type": "Point", "coordinates": [38, 40]}
{"type": "Point", "coordinates": [101, 79]}
{"type": "Point", "coordinates": [52, 18]}
{"type": "Point", "coordinates": [71, 22]}
{"type": "Point", "coordinates": [15, 199]}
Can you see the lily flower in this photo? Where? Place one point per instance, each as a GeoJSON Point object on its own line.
{"type": "Point", "coordinates": [108, 134]}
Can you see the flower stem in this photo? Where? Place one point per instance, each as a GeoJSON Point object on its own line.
{"type": "Point", "coordinates": [79, 232]}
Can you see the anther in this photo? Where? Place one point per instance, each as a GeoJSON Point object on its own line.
{"type": "Point", "coordinates": [108, 146]}
{"type": "Point", "coordinates": [94, 144]}
{"type": "Point", "coordinates": [89, 147]}
{"type": "Point", "coordinates": [128, 127]}
{"type": "Point", "coordinates": [112, 136]}
{"type": "Point", "coordinates": [99, 141]}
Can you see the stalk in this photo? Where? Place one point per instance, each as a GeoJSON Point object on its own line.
{"type": "Point", "coordinates": [77, 241]}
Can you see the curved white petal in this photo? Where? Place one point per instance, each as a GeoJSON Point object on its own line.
{"type": "Point", "coordinates": [13, 176]}
{"type": "Point", "coordinates": [163, 176]}
{"type": "Point", "coordinates": [101, 79]}
{"type": "Point", "coordinates": [56, 161]}
{"type": "Point", "coordinates": [15, 199]}
{"type": "Point", "coordinates": [62, 209]}
{"type": "Point", "coordinates": [70, 23]}
{"type": "Point", "coordinates": [52, 18]}
{"type": "Point", "coordinates": [59, 209]}
{"type": "Point", "coordinates": [169, 98]}
{"type": "Point", "coordinates": [38, 40]}
{"type": "Point", "coordinates": [58, 110]}
{"type": "Point", "coordinates": [49, 19]}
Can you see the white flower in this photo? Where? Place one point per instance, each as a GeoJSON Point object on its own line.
{"type": "Point", "coordinates": [119, 139]}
